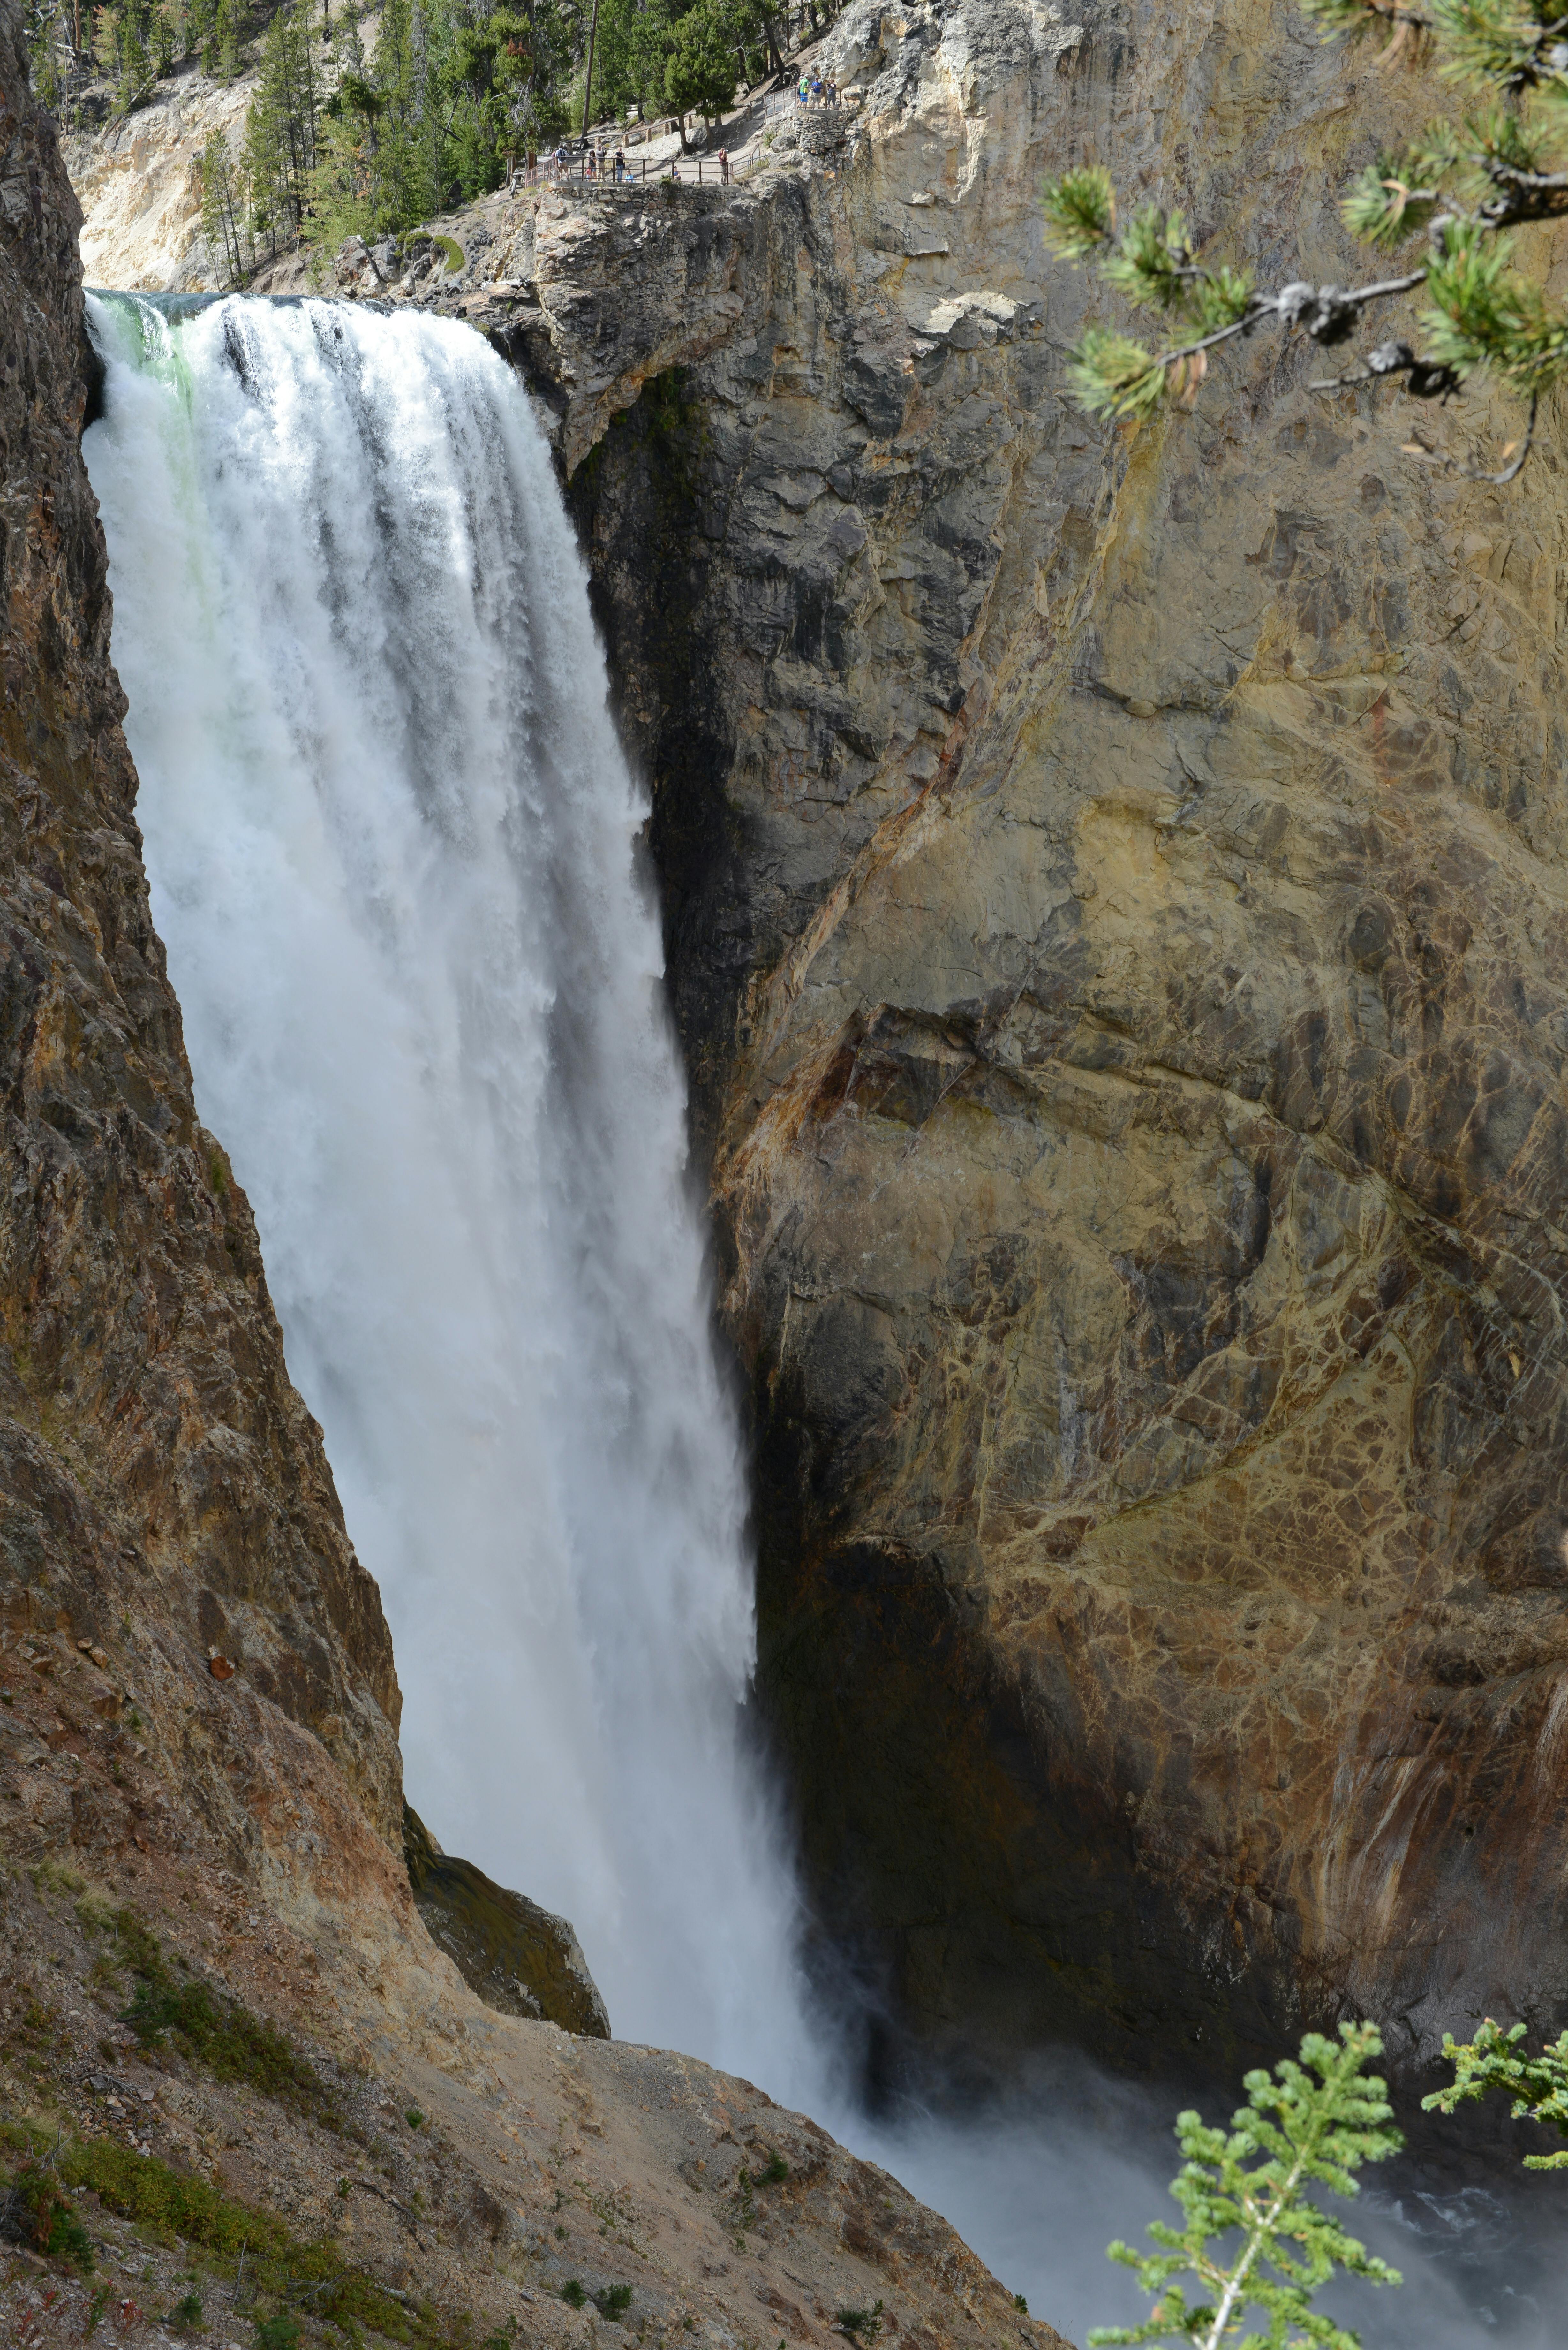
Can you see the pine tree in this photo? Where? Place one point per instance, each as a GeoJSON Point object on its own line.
{"type": "Point", "coordinates": [51, 54]}
{"type": "Point", "coordinates": [225, 41]}
{"type": "Point", "coordinates": [699, 65]}
{"type": "Point", "coordinates": [135, 65]}
{"type": "Point", "coordinates": [280, 130]}
{"type": "Point", "coordinates": [345, 143]}
{"type": "Point", "coordinates": [222, 213]}
{"type": "Point", "coordinates": [106, 41]}
{"type": "Point", "coordinates": [1454, 198]}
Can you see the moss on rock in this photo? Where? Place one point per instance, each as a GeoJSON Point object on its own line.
{"type": "Point", "coordinates": [517, 1957]}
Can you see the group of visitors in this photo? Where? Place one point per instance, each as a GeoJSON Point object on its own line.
{"type": "Point", "coordinates": [592, 162]}
{"type": "Point", "coordinates": [598, 163]}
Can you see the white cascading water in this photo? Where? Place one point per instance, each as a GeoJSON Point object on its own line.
{"type": "Point", "coordinates": [392, 843]}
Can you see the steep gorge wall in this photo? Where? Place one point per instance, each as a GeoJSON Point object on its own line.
{"type": "Point", "coordinates": [1114, 897]}
{"type": "Point", "coordinates": [163, 1491]}
{"type": "Point", "coordinates": [1114, 903]}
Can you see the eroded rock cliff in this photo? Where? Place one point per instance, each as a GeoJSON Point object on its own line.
{"type": "Point", "coordinates": [1114, 888]}
{"type": "Point", "coordinates": [244, 2072]}
{"type": "Point", "coordinates": [158, 1468]}
{"type": "Point", "coordinates": [1115, 900]}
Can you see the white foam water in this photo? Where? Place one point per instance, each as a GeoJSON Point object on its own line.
{"type": "Point", "coordinates": [393, 849]}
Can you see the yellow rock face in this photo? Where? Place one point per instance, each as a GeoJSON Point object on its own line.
{"type": "Point", "coordinates": [139, 182]}
{"type": "Point", "coordinates": [1116, 906]}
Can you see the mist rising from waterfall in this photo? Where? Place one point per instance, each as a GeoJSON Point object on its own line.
{"type": "Point", "coordinates": [392, 844]}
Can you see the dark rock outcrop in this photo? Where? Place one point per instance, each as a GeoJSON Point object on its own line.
{"type": "Point", "coordinates": [163, 1492]}
{"type": "Point", "coordinates": [519, 1958]}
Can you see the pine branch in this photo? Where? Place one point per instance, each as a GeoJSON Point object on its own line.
{"type": "Point", "coordinates": [1492, 2060]}
{"type": "Point", "coordinates": [1356, 18]}
{"type": "Point", "coordinates": [1499, 44]}
{"type": "Point", "coordinates": [1466, 186]}
{"type": "Point", "coordinates": [1385, 205]}
{"type": "Point", "coordinates": [1117, 376]}
{"type": "Point", "coordinates": [1080, 211]}
{"type": "Point", "coordinates": [1313, 2127]}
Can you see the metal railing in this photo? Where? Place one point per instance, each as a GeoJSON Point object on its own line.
{"type": "Point", "coordinates": [686, 170]}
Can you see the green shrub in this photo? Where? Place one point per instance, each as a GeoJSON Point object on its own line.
{"type": "Point", "coordinates": [613, 2300]}
{"type": "Point", "coordinates": [173, 2206]}
{"type": "Point", "coordinates": [51, 1877]}
{"type": "Point", "coordinates": [861, 2324]}
{"type": "Point", "coordinates": [214, 2031]}
{"type": "Point", "coordinates": [1494, 2059]}
{"type": "Point", "coordinates": [572, 2294]}
{"type": "Point", "coordinates": [47, 2221]}
{"type": "Point", "coordinates": [1256, 2236]}
{"type": "Point", "coordinates": [278, 2333]}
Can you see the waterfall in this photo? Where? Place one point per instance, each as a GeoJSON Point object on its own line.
{"type": "Point", "coordinates": [393, 848]}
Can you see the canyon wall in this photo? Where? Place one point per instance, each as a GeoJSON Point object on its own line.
{"type": "Point", "coordinates": [163, 1491]}
{"type": "Point", "coordinates": [199, 1802]}
{"type": "Point", "coordinates": [1115, 905]}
